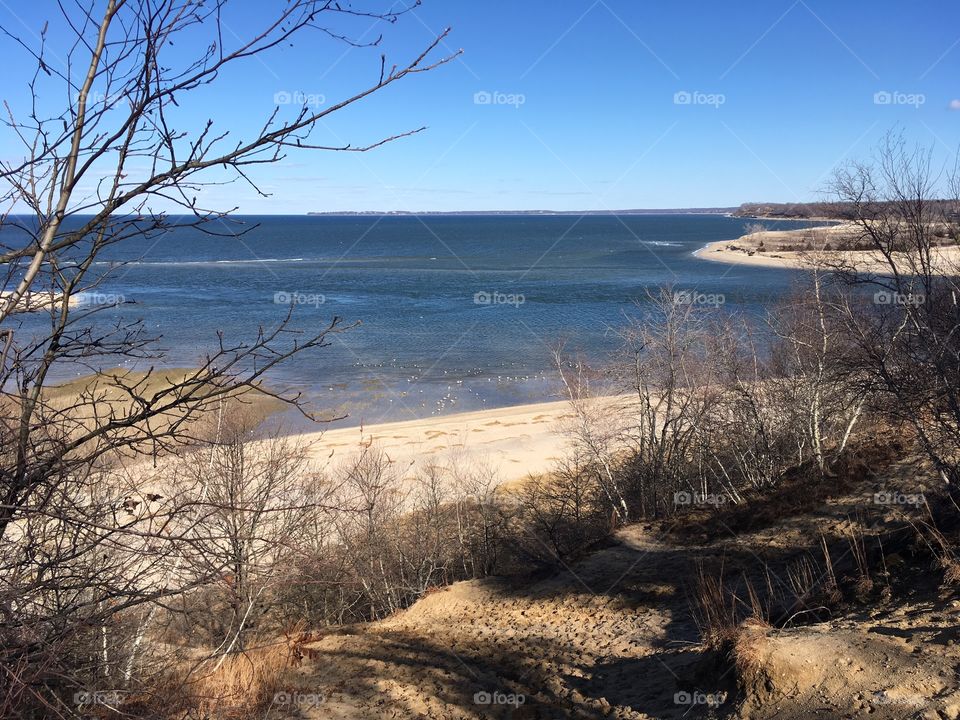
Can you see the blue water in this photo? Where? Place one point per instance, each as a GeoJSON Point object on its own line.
{"type": "Point", "coordinates": [424, 345]}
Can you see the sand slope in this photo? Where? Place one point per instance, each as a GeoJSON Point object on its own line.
{"type": "Point", "coordinates": [612, 636]}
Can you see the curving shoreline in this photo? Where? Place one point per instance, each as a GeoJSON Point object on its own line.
{"type": "Point", "coordinates": [746, 250]}
{"type": "Point", "coordinates": [762, 249]}
{"type": "Point", "coordinates": [721, 252]}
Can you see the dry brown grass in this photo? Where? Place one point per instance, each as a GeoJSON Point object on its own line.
{"type": "Point", "coordinates": [714, 610]}
{"type": "Point", "coordinates": [951, 572]}
{"type": "Point", "coordinates": [243, 683]}
{"type": "Point", "coordinates": [721, 615]}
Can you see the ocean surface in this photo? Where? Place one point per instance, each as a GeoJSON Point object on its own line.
{"type": "Point", "coordinates": [452, 313]}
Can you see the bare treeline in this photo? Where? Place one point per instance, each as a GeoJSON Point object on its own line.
{"type": "Point", "coordinates": [839, 208]}
{"type": "Point", "coordinates": [721, 406]}
{"type": "Point", "coordinates": [718, 407]}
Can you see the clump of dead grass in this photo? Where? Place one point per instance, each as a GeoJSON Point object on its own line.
{"type": "Point", "coordinates": [243, 682]}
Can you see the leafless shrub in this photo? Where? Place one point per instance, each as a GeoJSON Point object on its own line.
{"type": "Point", "coordinates": [480, 518]}
{"type": "Point", "coordinates": [257, 499]}
{"type": "Point", "coordinates": [557, 516]}
{"type": "Point", "coordinates": [710, 405]}
{"type": "Point", "coordinates": [908, 341]}
{"type": "Point", "coordinates": [371, 502]}
{"type": "Point", "coordinates": [672, 382]}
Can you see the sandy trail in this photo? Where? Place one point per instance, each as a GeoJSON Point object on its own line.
{"type": "Point", "coordinates": [606, 638]}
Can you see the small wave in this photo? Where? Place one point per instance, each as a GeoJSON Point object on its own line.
{"type": "Point", "coordinates": [259, 260]}
{"type": "Point", "coordinates": [184, 263]}
{"type": "Point", "coordinates": [661, 243]}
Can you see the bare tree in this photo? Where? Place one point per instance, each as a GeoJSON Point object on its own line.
{"type": "Point", "coordinates": [258, 500]}
{"type": "Point", "coordinates": [908, 338]}
{"type": "Point", "coordinates": [819, 396]}
{"type": "Point", "coordinates": [372, 498]}
{"type": "Point", "coordinates": [674, 378]}
{"type": "Point", "coordinates": [595, 428]}
{"type": "Point", "coordinates": [71, 540]}
{"type": "Point", "coordinates": [479, 516]}
{"type": "Point", "coordinates": [556, 516]}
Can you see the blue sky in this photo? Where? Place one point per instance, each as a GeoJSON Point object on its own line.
{"type": "Point", "coordinates": [592, 105]}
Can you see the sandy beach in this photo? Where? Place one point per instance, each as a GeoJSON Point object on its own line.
{"type": "Point", "coordinates": [724, 252]}
{"type": "Point", "coordinates": [35, 301]}
{"type": "Point", "coordinates": [745, 251]}
{"type": "Point", "coordinates": [514, 441]}
{"type": "Point", "coordinates": [517, 441]}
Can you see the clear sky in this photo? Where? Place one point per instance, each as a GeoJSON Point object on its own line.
{"type": "Point", "coordinates": [592, 105]}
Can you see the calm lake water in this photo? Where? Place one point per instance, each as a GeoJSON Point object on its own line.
{"type": "Point", "coordinates": [457, 313]}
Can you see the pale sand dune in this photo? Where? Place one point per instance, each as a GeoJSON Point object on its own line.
{"type": "Point", "coordinates": [516, 440]}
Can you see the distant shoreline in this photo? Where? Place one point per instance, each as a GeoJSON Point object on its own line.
{"type": "Point", "coordinates": [532, 213]}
